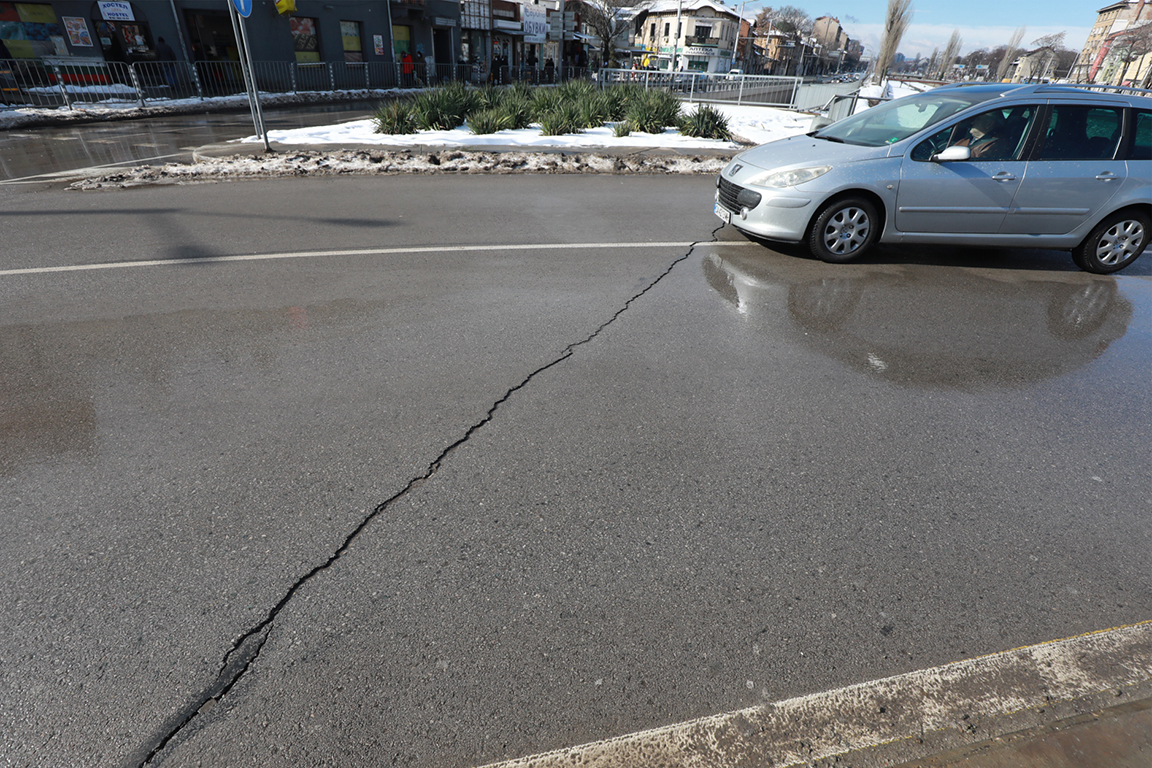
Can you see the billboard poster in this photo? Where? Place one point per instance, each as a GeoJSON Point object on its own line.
{"type": "Point", "coordinates": [77, 30]}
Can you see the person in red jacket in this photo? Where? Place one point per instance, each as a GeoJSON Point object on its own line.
{"type": "Point", "coordinates": [407, 66]}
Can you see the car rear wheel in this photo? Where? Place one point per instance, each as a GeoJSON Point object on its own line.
{"type": "Point", "coordinates": [844, 230]}
{"type": "Point", "coordinates": [1115, 243]}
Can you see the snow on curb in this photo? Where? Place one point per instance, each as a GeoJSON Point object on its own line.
{"type": "Point", "coordinates": [363, 162]}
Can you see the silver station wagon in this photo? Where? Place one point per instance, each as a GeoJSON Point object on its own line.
{"type": "Point", "coordinates": [1034, 166]}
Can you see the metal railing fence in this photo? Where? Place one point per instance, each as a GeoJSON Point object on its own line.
{"type": "Point", "coordinates": [35, 83]}
{"type": "Point", "coordinates": [27, 82]}
{"type": "Point", "coordinates": [758, 90]}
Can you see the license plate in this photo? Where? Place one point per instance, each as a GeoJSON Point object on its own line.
{"type": "Point", "coordinates": [723, 213]}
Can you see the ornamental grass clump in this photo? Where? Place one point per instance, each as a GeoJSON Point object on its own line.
{"type": "Point", "coordinates": [518, 108]}
{"type": "Point", "coordinates": [546, 100]}
{"type": "Point", "coordinates": [705, 123]}
{"type": "Point", "coordinates": [618, 98]}
{"type": "Point", "coordinates": [622, 129]}
{"type": "Point", "coordinates": [444, 108]}
{"type": "Point", "coordinates": [485, 121]}
{"type": "Point", "coordinates": [395, 117]}
{"type": "Point", "coordinates": [565, 118]}
{"type": "Point", "coordinates": [652, 111]}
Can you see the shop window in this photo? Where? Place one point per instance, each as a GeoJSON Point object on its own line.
{"type": "Point", "coordinates": [401, 40]}
{"type": "Point", "coordinates": [350, 32]}
{"type": "Point", "coordinates": [122, 32]}
{"type": "Point", "coordinates": [305, 41]}
{"type": "Point", "coordinates": [211, 35]}
{"type": "Point", "coordinates": [31, 30]}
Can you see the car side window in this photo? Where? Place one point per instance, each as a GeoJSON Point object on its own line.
{"type": "Point", "coordinates": [997, 134]}
{"type": "Point", "coordinates": [1142, 136]}
{"type": "Point", "coordinates": [1077, 132]}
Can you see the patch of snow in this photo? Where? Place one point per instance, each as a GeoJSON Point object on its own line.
{"type": "Point", "coordinates": [345, 162]}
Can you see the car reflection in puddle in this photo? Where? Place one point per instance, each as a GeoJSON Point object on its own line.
{"type": "Point", "coordinates": [924, 326]}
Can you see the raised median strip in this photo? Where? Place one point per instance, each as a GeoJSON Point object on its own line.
{"type": "Point", "coordinates": [895, 719]}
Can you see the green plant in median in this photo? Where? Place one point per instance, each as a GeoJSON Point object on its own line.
{"type": "Point", "coordinates": [395, 117]}
{"type": "Point", "coordinates": [652, 111]}
{"type": "Point", "coordinates": [569, 108]}
{"type": "Point", "coordinates": [489, 121]}
{"type": "Point", "coordinates": [445, 108]}
{"type": "Point", "coordinates": [705, 123]}
{"type": "Point", "coordinates": [565, 118]}
{"type": "Point", "coordinates": [518, 108]}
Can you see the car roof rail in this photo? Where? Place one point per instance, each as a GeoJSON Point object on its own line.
{"type": "Point", "coordinates": [1094, 87]}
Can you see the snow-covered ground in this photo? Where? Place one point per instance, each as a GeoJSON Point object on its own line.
{"type": "Point", "coordinates": [751, 125]}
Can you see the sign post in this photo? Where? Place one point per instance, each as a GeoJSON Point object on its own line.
{"type": "Point", "coordinates": [238, 11]}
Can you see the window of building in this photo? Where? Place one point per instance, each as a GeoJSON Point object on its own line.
{"type": "Point", "coordinates": [30, 30]}
{"type": "Point", "coordinates": [350, 33]}
{"type": "Point", "coordinates": [401, 40]}
{"type": "Point", "coordinates": [667, 28]}
{"type": "Point", "coordinates": [652, 31]}
{"type": "Point", "coordinates": [703, 31]}
{"type": "Point", "coordinates": [305, 41]}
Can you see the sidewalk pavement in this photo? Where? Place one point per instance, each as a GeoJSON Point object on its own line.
{"type": "Point", "coordinates": [1117, 737]}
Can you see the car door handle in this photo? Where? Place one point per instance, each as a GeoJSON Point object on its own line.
{"type": "Point", "coordinates": [1005, 176]}
{"type": "Point", "coordinates": [1106, 176]}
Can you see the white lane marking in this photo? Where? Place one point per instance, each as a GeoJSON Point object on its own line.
{"type": "Point", "coordinates": [56, 175]}
{"type": "Point", "coordinates": [361, 252]}
{"type": "Point", "coordinates": [912, 706]}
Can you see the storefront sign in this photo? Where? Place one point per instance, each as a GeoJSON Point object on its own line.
{"type": "Point", "coordinates": [378, 44]}
{"type": "Point", "coordinates": [535, 23]}
{"type": "Point", "coordinates": [113, 10]}
{"type": "Point", "coordinates": [441, 21]}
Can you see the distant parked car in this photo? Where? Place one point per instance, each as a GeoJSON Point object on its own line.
{"type": "Point", "coordinates": [1033, 166]}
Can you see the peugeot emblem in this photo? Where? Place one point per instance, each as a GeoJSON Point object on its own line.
{"type": "Point", "coordinates": [735, 169]}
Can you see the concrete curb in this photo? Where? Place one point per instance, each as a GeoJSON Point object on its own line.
{"type": "Point", "coordinates": [898, 719]}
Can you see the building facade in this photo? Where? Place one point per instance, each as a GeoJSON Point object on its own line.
{"type": "Point", "coordinates": [1113, 23]}
{"type": "Point", "coordinates": [307, 31]}
{"type": "Point", "coordinates": [705, 41]}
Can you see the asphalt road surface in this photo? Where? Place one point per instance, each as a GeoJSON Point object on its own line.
{"type": "Point", "coordinates": [450, 470]}
{"type": "Point", "coordinates": [30, 153]}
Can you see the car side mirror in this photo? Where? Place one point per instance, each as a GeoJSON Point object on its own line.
{"type": "Point", "coordinates": [952, 154]}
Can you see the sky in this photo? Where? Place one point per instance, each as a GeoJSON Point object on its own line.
{"type": "Point", "coordinates": [982, 23]}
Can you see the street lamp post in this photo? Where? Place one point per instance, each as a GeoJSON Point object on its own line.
{"type": "Point", "coordinates": [739, 26]}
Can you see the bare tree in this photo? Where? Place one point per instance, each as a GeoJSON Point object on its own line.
{"type": "Point", "coordinates": [948, 59]}
{"type": "Point", "coordinates": [789, 18]}
{"type": "Point", "coordinates": [1132, 44]}
{"type": "Point", "coordinates": [1054, 41]}
{"type": "Point", "coordinates": [896, 22]}
{"type": "Point", "coordinates": [1010, 53]}
{"type": "Point", "coordinates": [607, 20]}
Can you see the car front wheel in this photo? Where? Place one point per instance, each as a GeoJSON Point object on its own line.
{"type": "Point", "coordinates": [1115, 243]}
{"type": "Point", "coordinates": [844, 230]}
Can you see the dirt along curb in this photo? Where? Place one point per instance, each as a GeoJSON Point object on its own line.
{"type": "Point", "coordinates": [233, 161]}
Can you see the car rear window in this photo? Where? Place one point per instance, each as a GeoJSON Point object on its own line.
{"type": "Point", "coordinates": [1078, 132]}
{"type": "Point", "coordinates": [1142, 136]}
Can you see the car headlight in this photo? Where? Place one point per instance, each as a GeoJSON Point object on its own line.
{"type": "Point", "coordinates": [788, 178]}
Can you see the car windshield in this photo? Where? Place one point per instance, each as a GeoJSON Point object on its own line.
{"type": "Point", "coordinates": [899, 119]}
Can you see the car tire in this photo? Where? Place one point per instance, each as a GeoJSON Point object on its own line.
{"type": "Point", "coordinates": [844, 229]}
{"type": "Point", "coordinates": [1115, 243]}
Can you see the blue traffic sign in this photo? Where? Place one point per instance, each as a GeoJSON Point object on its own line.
{"type": "Point", "coordinates": [243, 7]}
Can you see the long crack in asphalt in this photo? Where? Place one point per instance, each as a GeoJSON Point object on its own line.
{"type": "Point", "coordinates": [247, 648]}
